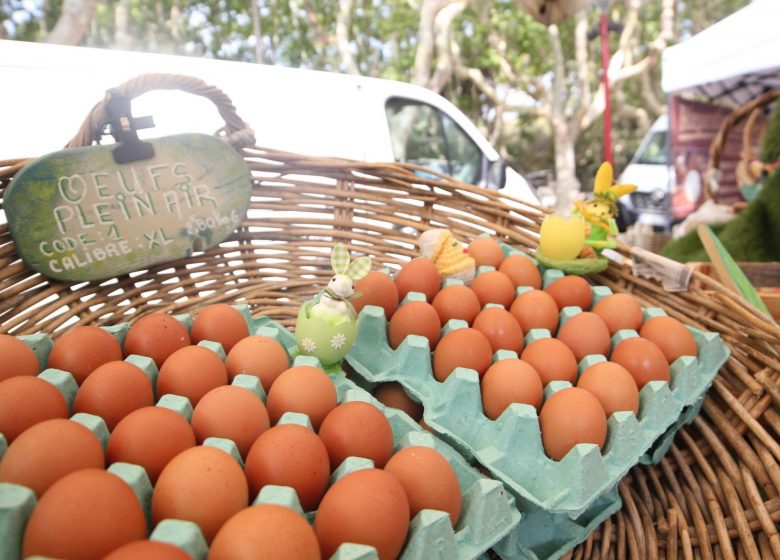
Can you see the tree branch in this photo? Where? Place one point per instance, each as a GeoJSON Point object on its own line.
{"type": "Point", "coordinates": [73, 22]}
{"type": "Point", "coordinates": [443, 39]}
{"type": "Point", "coordinates": [581, 57]}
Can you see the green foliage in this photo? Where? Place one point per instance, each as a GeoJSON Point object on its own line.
{"type": "Point", "coordinates": [770, 151]}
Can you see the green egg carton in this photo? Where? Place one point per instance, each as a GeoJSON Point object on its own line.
{"type": "Point", "coordinates": [488, 512]}
{"type": "Point", "coordinates": [571, 496]}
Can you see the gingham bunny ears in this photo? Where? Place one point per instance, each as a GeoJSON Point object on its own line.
{"type": "Point", "coordinates": [340, 262]}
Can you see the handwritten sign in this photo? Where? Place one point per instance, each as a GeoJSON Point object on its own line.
{"type": "Point", "coordinates": [77, 215]}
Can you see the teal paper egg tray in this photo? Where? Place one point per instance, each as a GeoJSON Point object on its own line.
{"type": "Point", "coordinates": [488, 511]}
{"type": "Point", "coordinates": [570, 495]}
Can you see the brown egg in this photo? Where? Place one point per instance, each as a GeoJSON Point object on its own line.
{"type": "Point", "coordinates": [671, 336]}
{"type": "Point", "coordinates": [522, 271]}
{"type": "Point", "coordinates": [148, 550]}
{"type": "Point", "coordinates": [510, 381]}
{"type": "Point", "coordinates": [585, 333]}
{"type": "Point", "coordinates": [94, 512]}
{"type": "Point", "coordinates": [571, 291]}
{"type": "Point", "coordinates": [535, 309]}
{"type": "Point", "coordinates": [392, 394]}
{"type": "Point", "coordinates": [457, 302]}
{"type": "Point", "coordinates": [290, 455]}
{"type": "Point", "coordinates": [113, 391]}
{"type": "Point", "coordinates": [377, 288]}
{"type": "Point", "coordinates": [612, 385]}
{"type": "Point", "coordinates": [221, 323]}
{"type": "Point", "coordinates": [157, 335]}
{"type": "Point", "coordinates": [357, 429]}
{"type": "Point", "coordinates": [619, 311]}
{"type": "Point", "coordinates": [26, 400]}
{"type": "Point", "coordinates": [501, 329]}
{"type": "Point", "coordinates": [18, 358]}
{"type": "Point", "coordinates": [191, 372]}
{"type": "Point", "coordinates": [418, 275]}
{"type": "Point", "coordinates": [233, 413]}
{"type": "Point", "coordinates": [304, 389]}
{"type": "Point", "coordinates": [49, 450]}
{"type": "Point", "coordinates": [493, 287]}
{"type": "Point", "coordinates": [414, 317]}
{"type": "Point", "coordinates": [204, 485]}
{"type": "Point", "coordinates": [486, 252]}
{"type": "Point", "coordinates": [569, 417]}
{"type": "Point", "coordinates": [552, 360]}
{"type": "Point", "coordinates": [467, 348]}
{"type": "Point", "coordinates": [265, 531]}
{"type": "Point", "coordinates": [150, 437]}
{"type": "Point", "coordinates": [643, 360]}
{"type": "Point", "coordinates": [368, 506]}
{"type": "Point", "coordinates": [260, 356]}
{"type": "Point", "coordinates": [81, 350]}
{"type": "Point", "coordinates": [428, 479]}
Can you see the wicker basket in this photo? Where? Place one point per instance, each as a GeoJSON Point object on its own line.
{"type": "Point", "coordinates": [715, 495]}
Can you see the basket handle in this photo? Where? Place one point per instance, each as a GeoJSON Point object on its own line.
{"type": "Point", "coordinates": [236, 132]}
{"type": "Point", "coordinates": [719, 141]}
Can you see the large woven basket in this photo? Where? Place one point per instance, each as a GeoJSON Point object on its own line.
{"type": "Point", "coordinates": [715, 495]}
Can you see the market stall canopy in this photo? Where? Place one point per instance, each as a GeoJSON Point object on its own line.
{"type": "Point", "coordinates": [730, 62]}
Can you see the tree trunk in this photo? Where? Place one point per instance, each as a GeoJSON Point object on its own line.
{"type": "Point", "coordinates": [73, 23]}
{"type": "Point", "coordinates": [567, 184]}
{"type": "Point", "coordinates": [564, 129]}
{"type": "Point", "coordinates": [122, 37]}
{"type": "Point", "coordinates": [342, 37]}
{"type": "Point", "coordinates": [256, 29]}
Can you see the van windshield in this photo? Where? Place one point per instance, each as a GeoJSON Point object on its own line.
{"type": "Point", "coordinates": [423, 135]}
{"type": "Point", "coordinates": [654, 149]}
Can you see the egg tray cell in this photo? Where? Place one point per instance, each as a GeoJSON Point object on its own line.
{"type": "Point", "coordinates": [488, 510]}
{"type": "Point", "coordinates": [511, 447]}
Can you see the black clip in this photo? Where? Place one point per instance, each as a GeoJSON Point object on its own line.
{"type": "Point", "coordinates": [123, 129]}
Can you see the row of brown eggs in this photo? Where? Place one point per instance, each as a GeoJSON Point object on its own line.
{"type": "Point", "coordinates": [599, 391]}
{"type": "Point", "coordinates": [163, 442]}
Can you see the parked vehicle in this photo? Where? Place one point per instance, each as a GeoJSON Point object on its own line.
{"type": "Point", "coordinates": [49, 89]}
{"type": "Point", "coordinates": [650, 169]}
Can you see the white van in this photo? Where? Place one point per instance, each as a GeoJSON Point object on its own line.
{"type": "Point", "coordinates": [49, 89]}
{"type": "Point", "coordinates": [651, 171]}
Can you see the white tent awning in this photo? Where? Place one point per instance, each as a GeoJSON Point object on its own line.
{"type": "Point", "coordinates": [732, 61]}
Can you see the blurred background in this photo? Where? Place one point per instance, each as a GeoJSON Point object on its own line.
{"type": "Point", "coordinates": [527, 72]}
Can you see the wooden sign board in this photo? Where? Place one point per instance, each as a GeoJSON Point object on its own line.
{"type": "Point", "coordinates": [77, 215]}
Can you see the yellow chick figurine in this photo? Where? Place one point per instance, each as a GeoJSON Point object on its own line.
{"type": "Point", "coordinates": [447, 253]}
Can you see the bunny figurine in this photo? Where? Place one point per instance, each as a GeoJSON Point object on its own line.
{"type": "Point", "coordinates": [327, 325]}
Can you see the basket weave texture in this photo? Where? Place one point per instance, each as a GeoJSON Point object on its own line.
{"type": "Point", "coordinates": [715, 495]}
